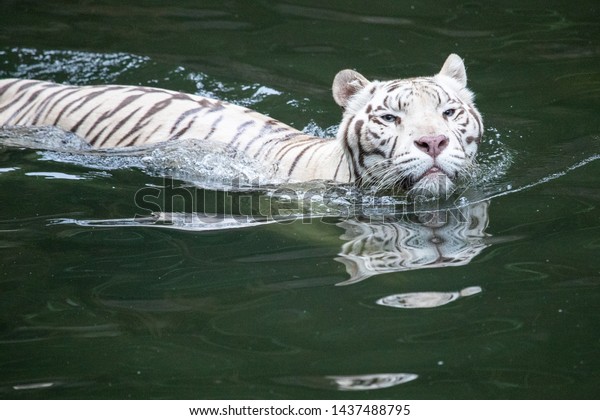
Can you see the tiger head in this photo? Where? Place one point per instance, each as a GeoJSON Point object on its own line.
{"type": "Point", "coordinates": [418, 135]}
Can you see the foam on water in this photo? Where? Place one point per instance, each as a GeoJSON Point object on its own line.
{"type": "Point", "coordinates": [74, 67]}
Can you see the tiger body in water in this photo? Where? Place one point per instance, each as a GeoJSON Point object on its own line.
{"type": "Point", "coordinates": [418, 134]}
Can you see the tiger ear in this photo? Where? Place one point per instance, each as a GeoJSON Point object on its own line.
{"type": "Point", "coordinates": [454, 68]}
{"type": "Point", "coordinates": [346, 84]}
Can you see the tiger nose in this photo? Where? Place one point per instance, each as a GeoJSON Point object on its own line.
{"type": "Point", "coordinates": [432, 145]}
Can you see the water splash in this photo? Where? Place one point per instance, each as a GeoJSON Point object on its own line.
{"type": "Point", "coordinates": [74, 67]}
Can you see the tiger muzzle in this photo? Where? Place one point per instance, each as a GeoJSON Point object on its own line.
{"type": "Point", "coordinates": [432, 145]}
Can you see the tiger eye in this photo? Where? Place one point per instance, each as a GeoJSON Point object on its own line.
{"type": "Point", "coordinates": [449, 112]}
{"type": "Point", "coordinates": [390, 118]}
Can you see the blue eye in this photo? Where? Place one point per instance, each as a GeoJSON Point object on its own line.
{"type": "Point", "coordinates": [449, 112]}
{"type": "Point", "coordinates": [388, 118]}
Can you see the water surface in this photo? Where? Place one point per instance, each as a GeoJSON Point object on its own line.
{"type": "Point", "coordinates": [119, 281]}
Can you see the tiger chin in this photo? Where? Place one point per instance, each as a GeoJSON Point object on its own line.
{"type": "Point", "coordinates": [417, 135]}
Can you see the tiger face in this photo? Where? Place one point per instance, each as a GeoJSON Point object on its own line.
{"type": "Point", "coordinates": [418, 135]}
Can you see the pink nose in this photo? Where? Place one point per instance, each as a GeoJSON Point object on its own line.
{"type": "Point", "coordinates": [432, 145]}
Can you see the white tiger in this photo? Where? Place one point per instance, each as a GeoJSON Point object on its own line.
{"type": "Point", "coordinates": [411, 134]}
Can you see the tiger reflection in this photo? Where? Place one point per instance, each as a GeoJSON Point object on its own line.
{"type": "Point", "coordinates": [423, 240]}
{"type": "Point", "coordinates": [394, 243]}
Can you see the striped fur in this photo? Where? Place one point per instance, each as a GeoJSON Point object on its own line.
{"type": "Point", "coordinates": [368, 150]}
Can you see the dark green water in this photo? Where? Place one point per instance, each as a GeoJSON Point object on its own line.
{"type": "Point", "coordinates": [92, 311]}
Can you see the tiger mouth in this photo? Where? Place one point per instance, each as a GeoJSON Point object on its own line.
{"type": "Point", "coordinates": [434, 171]}
{"type": "Point", "coordinates": [434, 181]}
{"type": "Point", "coordinates": [430, 176]}
{"type": "Point", "coordinates": [431, 179]}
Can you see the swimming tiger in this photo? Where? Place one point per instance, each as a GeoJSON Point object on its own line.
{"type": "Point", "coordinates": [414, 134]}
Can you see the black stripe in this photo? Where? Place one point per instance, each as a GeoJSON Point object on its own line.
{"type": "Point", "coordinates": [477, 119]}
{"type": "Point", "coordinates": [25, 109]}
{"type": "Point", "coordinates": [84, 99]}
{"type": "Point", "coordinates": [117, 127]}
{"type": "Point", "coordinates": [7, 86]}
{"type": "Point", "coordinates": [386, 102]}
{"type": "Point", "coordinates": [108, 114]}
{"type": "Point", "coordinates": [213, 127]}
{"type": "Point", "coordinates": [281, 152]}
{"type": "Point", "coordinates": [377, 151]}
{"type": "Point", "coordinates": [337, 169]}
{"type": "Point", "coordinates": [393, 148]}
{"type": "Point", "coordinates": [285, 138]}
{"type": "Point", "coordinates": [156, 108]}
{"type": "Point", "coordinates": [352, 161]}
{"type": "Point", "coordinates": [66, 107]}
{"type": "Point", "coordinates": [97, 136]}
{"type": "Point", "coordinates": [183, 130]}
{"type": "Point", "coordinates": [361, 154]}
{"type": "Point", "coordinates": [358, 127]}
{"type": "Point", "coordinates": [133, 141]}
{"type": "Point", "coordinates": [357, 130]}
{"type": "Point", "coordinates": [374, 135]}
{"type": "Point", "coordinates": [145, 120]}
{"type": "Point", "coordinates": [240, 130]}
{"type": "Point", "coordinates": [27, 84]}
{"type": "Point", "coordinates": [212, 105]}
{"type": "Point", "coordinates": [136, 128]}
{"type": "Point", "coordinates": [299, 156]}
{"type": "Point", "coordinates": [15, 100]}
{"type": "Point", "coordinates": [52, 97]}
{"type": "Point", "coordinates": [320, 142]}
{"type": "Point", "coordinates": [182, 117]}
{"type": "Point", "coordinates": [76, 126]}
{"type": "Point", "coordinates": [289, 146]}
